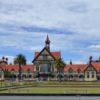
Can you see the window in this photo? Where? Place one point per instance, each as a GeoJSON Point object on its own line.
{"type": "Point", "coordinates": [81, 76]}
{"type": "Point", "coordinates": [44, 68]}
{"type": "Point", "coordinates": [92, 74]}
{"type": "Point", "coordinates": [88, 75]}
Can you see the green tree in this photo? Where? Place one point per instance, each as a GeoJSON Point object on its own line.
{"type": "Point", "coordinates": [20, 60]}
{"type": "Point", "coordinates": [60, 64]}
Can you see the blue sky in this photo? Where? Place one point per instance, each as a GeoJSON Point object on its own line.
{"type": "Point", "coordinates": [72, 25]}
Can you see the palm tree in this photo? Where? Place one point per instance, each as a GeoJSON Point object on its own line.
{"type": "Point", "coordinates": [60, 67]}
{"type": "Point", "coordinates": [20, 60]}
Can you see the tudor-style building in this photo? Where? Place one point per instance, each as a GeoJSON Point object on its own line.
{"type": "Point", "coordinates": [90, 72]}
{"type": "Point", "coordinates": [44, 67]}
{"type": "Point", "coordinates": [44, 61]}
{"type": "Point", "coordinates": [83, 72]}
{"type": "Point", "coordinates": [11, 72]}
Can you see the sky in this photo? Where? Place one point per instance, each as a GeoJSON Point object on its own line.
{"type": "Point", "coordinates": [73, 27]}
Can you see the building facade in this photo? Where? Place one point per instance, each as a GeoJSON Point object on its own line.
{"type": "Point", "coordinates": [44, 62]}
{"type": "Point", "coordinates": [44, 68]}
{"type": "Point", "coordinates": [11, 72]}
{"type": "Point", "coordinates": [83, 72]}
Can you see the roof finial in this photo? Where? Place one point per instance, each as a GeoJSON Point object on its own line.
{"type": "Point", "coordinates": [70, 62]}
{"type": "Point", "coordinates": [90, 59]}
{"type": "Point", "coordinates": [47, 43]}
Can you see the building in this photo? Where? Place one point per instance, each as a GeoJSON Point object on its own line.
{"type": "Point", "coordinates": [83, 72]}
{"type": "Point", "coordinates": [11, 72]}
{"type": "Point", "coordinates": [44, 61]}
{"type": "Point", "coordinates": [44, 68]}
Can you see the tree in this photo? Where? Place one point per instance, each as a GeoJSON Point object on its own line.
{"type": "Point", "coordinates": [60, 67]}
{"type": "Point", "coordinates": [20, 60]}
{"type": "Point", "coordinates": [4, 60]}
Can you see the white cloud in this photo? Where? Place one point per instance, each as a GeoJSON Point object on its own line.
{"type": "Point", "coordinates": [95, 47]}
{"type": "Point", "coordinates": [76, 22]}
{"type": "Point", "coordinates": [10, 59]}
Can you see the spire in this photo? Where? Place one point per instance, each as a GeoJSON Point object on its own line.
{"type": "Point", "coordinates": [70, 62]}
{"type": "Point", "coordinates": [47, 43]}
{"type": "Point", "coordinates": [90, 59]}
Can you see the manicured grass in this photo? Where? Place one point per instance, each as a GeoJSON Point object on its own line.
{"type": "Point", "coordinates": [55, 87]}
{"type": "Point", "coordinates": [50, 90]}
{"type": "Point", "coordinates": [70, 82]}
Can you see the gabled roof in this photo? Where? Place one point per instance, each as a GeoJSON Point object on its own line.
{"type": "Point", "coordinates": [26, 68]}
{"type": "Point", "coordinates": [75, 67]}
{"type": "Point", "coordinates": [15, 68]}
{"type": "Point", "coordinates": [96, 65]}
{"type": "Point", "coordinates": [82, 67]}
{"type": "Point", "coordinates": [55, 55]}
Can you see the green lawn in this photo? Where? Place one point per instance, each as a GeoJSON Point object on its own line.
{"type": "Point", "coordinates": [56, 87]}
{"type": "Point", "coordinates": [50, 90]}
